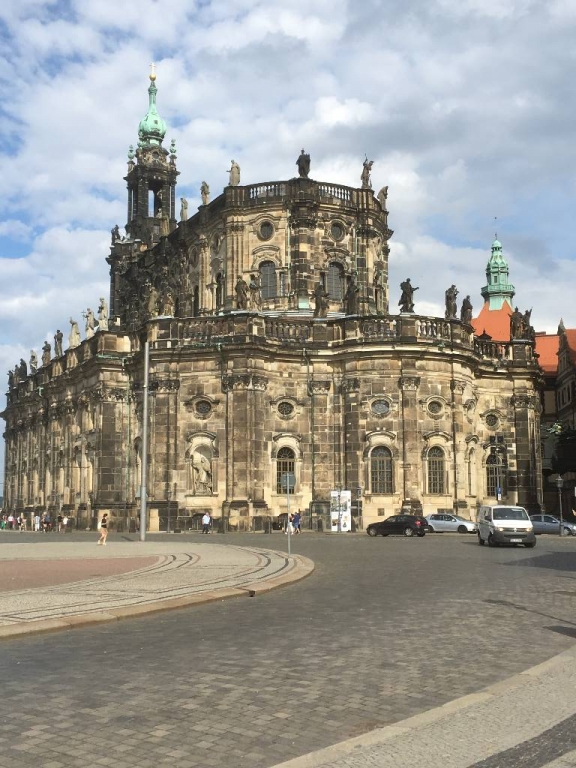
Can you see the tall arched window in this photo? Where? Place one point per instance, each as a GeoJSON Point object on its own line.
{"type": "Point", "coordinates": [494, 475]}
{"type": "Point", "coordinates": [219, 290]}
{"type": "Point", "coordinates": [381, 476]}
{"type": "Point", "coordinates": [285, 464]}
{"type": "Point", "coordinates": [335, 282]}
{"type": "Point", "coordinates": [436, 482]}
{"type": "Point", "coordinates": [268, 287]}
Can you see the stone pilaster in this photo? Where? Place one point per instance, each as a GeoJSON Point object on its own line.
{"type": "Point", "coordinates": [408, 384]}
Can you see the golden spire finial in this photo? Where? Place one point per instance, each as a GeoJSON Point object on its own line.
{"type": "Point", "coordinates": [152, 71]}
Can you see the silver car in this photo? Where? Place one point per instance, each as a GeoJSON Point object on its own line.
{"type": "Point", "coordinates": [551, 524]}
{"type": "Point", "coordinates": [444, 523]}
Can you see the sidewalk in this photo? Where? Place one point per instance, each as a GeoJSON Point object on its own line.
{"type": "Point", "coordinates": [528, 719]}
{"type": "Point", "coordinates": [64, 584]}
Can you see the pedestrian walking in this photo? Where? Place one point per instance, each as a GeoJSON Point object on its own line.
{"type": "Point", "coordinates": [65, 523]}
{"type": "Point", "coordinates": [60, 520]}
{"type": "Point", "coordinates": [103, 529]}
{"type": "Point", "coordinates": [289, 525]}
{"type": "Point", "coordinates": [296, 522]}
{"type": "Point", "coordinates": [36, 522]}
{"type": "Point", "coordinates": [206, 522]}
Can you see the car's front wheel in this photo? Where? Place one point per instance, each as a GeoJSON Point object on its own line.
{"type": "Point", "coordinates": [372, 532]}
{"type": "Point", "coordinates": [408, 532]}
{"type": "Point", "coordinates": [462, 529]}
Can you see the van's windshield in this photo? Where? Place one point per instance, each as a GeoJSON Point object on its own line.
{"type": "Point", "coordinates": [510, 513]}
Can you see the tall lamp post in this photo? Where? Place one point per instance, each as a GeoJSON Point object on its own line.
{"type": "Point", "coordinates": [339, 490]}
{"type": "Point", "coordinates": [559, 485]}
{"type": "Point", "coordinates": [169, 500]}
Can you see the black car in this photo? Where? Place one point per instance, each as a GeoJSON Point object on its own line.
{"type": "Point", "coordinates": [402, 525]}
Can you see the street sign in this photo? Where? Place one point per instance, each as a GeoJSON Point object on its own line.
{"type": "Point", "coordinates": [287, 481]}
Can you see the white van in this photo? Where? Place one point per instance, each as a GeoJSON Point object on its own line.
{"type": "Point", "coordinates": [501, 524]}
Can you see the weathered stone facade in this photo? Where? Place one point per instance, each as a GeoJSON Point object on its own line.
{"type": "Point", "coordinates": [246, 383]}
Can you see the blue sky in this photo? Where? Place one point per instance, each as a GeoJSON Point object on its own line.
{"type": "Point", "coordinates": [466, 107]}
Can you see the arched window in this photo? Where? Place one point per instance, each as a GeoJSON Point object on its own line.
{"type": "Point", "coordinates": [335, 282]}
{"type": "Point", "coordinates": [268, 287]}
{"type": "Point", "coordinates": [285, 464]}
{"type": "Point", "coordinates": [219, 290]}
{"type": "Point", "coordinates": [472, 473]}
{"type": "Point", "coordinates": [494, 475]}
{"type": "Point", "coordinates": [436, 471]}
{"type": "Point", "coordinates": [381, 476]}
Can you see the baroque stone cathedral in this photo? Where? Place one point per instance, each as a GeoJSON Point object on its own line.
{"type": "Point", "coordinates": [273, 354]}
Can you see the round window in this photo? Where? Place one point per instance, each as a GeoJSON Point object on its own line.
{"type": "Point", "coordinates": [380, 407]}
{"type": "Point", "coordinates": [285, 409]}
{"type": "Point", "coordinates": [492, 420]}
{"type": "Point", "coordinates": [203, 407]}
{"type": "Point", "coordinates": [266, 230]}
{"type": "Point", "coordinates": [337, 231]}
{"type": "Point", "coordinates": [435, 407]}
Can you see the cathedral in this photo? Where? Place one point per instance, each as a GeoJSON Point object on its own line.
{"type": "Point", "coordinates": [279, 370]}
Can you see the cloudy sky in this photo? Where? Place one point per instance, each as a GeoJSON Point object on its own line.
{"type": "Point", "coordinates": [465, 106]}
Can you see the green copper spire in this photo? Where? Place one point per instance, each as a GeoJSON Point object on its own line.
{"type": "Point", "coordinates": [499, 288]}
{"type": "Point", "coordinates": [152, 128]}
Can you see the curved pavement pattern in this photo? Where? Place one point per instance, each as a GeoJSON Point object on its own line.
{"type": "Point", "coordinates": [172, 575]}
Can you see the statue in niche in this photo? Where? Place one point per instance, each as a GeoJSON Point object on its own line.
{"type": "Point", "coordinates": [158, 201]}
{"type": "Point", "coordinates": [234, 174]}
{"type": "Point", "coordinates": [378, 284]}
{"type": "Point", "coordinates": [90, 323]}
{"type": "Point", "coordinates": [255, 291]}
{"type": "Point", "coordinates": [383, 197]}
{"type": "Point", "coordinates": [46, 353]}
{"type": "Point", "coordinates": [451, 304]}
{"type": "Point", "coordinates": [115, 232]}
{"type": "Point", "coordinates": [33, 361]}
{"type": "Point", "coordinates": [152, 301]}
{"type": "Point", "coordinates": [466, 311]}
{"type": "Point", "coordinates": [406, 302]}
{"type": "Point", "coordinates": [201, 474]}
{"type": "Point", "coordinates": [103, 315]}
{"type": "Point", "coordinates": [183, 209]}
{"type": "Point", "coordinates": [321, 301]}
{"type": "Point", "coordinates": [205, 193]}
{"type": "Point", "coordinates": [168, 304]}
{"type": "Point", "coordinates": [74, 337]}
{"type": "Point", "coordinates": [351, 297]}
{"type": "Point", "coordinates": [365, 175]}
{"type": "Point", "coordinates": [58, 337]}
{"type": "Point", "coordinates": [241, 294]}
{"type": "Point", "coordinates": [303, 164]}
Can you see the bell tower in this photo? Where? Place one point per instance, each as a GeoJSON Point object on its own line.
{"type": "Point", "coordinates": [499, 289]}
{"type": "Point", "coordinates": [151, 177]}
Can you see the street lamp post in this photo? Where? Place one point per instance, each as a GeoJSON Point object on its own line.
{"type": "Point", "coordinates": [168, 499]}
{"type": "Point", "coordinates": [339, 490]}
{"type": "Point", "coordinates": [359, 505]}
{"type": "Point", "coordinates": [559, 484]}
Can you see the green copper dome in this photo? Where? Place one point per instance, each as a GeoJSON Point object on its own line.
{"type": "Point", "coordinates": [152, 128]}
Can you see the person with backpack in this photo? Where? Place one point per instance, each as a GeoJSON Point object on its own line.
{"type": "Point", "coordinates": [103, 529]}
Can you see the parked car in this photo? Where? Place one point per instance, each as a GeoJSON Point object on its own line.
{"type": "Point", "coordinates": [406, 525]}
{"type": "Point", "coordinates": [442, 523]}
{"type": "Point", "coordinates": [551, 524]}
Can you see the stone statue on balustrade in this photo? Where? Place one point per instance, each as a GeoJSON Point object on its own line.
{"type": "Point", "coordinates": [46, 353]}
{"type": "Point", "coordinates": [365, 175]}
{"type": "Point", "coordinates": [241, 294]}
{"type": "Point", "coordinates": [406, 302]}
{"type": "Point", "coordinates": [351, 297]}
{"type": "Point", "coordinates": [90, 323]}
{"type": "Point", "coordinates": [115, 232]}
{"type": "Point", "coordinates": [74, 337]}
{"type": "Point", "coordinates": [22, 369]}
{"type": "Point", "coordinates": [183, 209]}
{"type": "Point", "coordinates": [205, 193]}
{"type": "Point", "coordinates": [321, 301]}
{"type": "Point", "coordinates": [466, 311]}
{"type": "Point", "coordinates": [383, 197]}
{"type": "Point", "coordinates": [517, 325]}
{"type": "Point", "coordinates": [303, 164]}
{"type": "Point", "coordinates": [451, 303]}
{"type": "Point", "coordinates": [234, 174]}
{"type": "Point", "coordinates": [103, 315]}
{"type": "Point", "coordinates": [255, 291]}
{"type": "Point", "coordinates": [58, 337]}
{"type": "Point", "coordinates": [12, 379]}
{"type": "Point", "coordinates": [33, 361]}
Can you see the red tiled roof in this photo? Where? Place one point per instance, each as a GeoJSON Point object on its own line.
{"type": "Point", "coordinates": [494, 322]}
{"type": "Point", "coordinates": [547, 349]}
